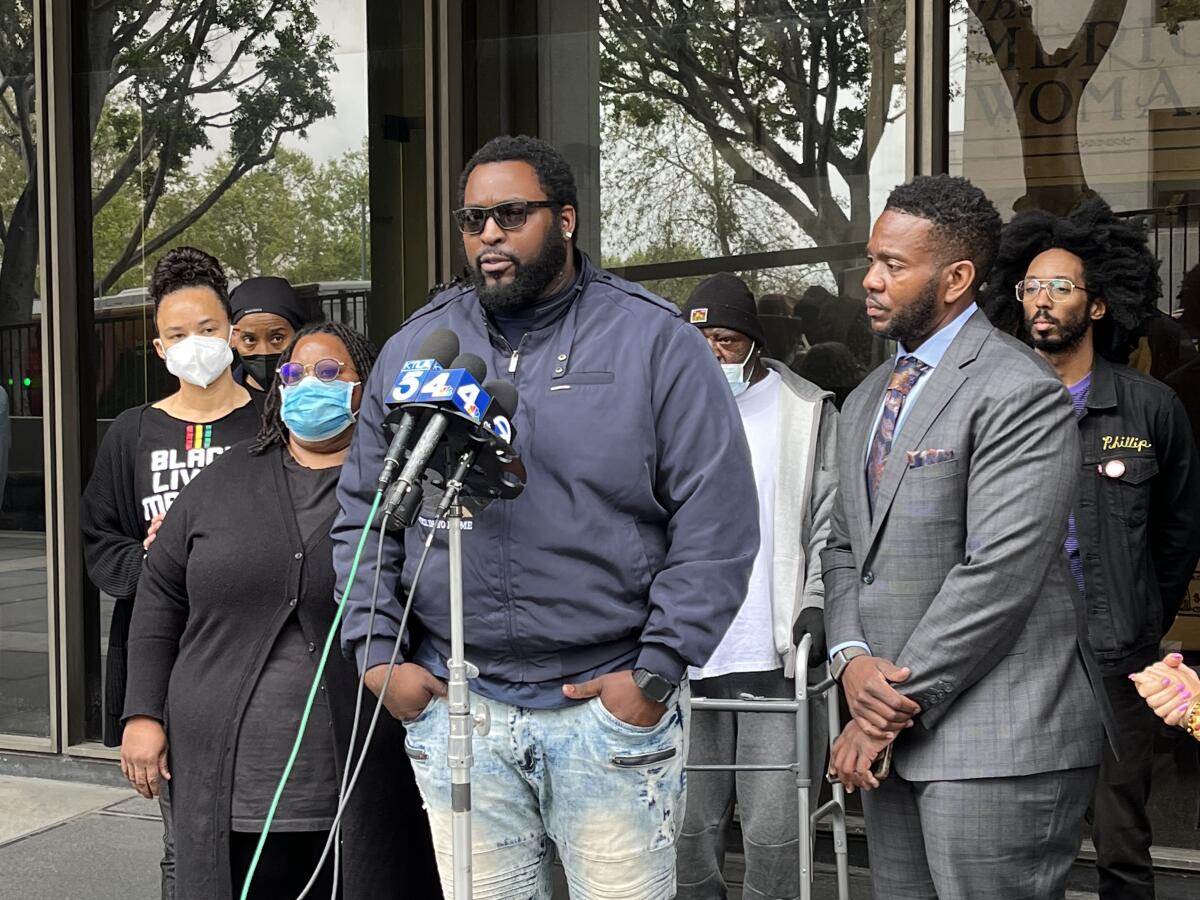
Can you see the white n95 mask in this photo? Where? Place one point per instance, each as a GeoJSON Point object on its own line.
{"type": "Point", "coordinates": [199, 359]}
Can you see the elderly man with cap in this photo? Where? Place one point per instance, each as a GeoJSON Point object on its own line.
{"type": "Point", "coordinates": [790, 425]}
{"type": "Point", "coordinates": [267, 313]}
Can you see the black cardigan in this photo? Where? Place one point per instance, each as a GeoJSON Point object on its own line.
{"type": "Point", "coordinates": [113, 529]}
{"type": "Point", "coordinates": [111, 522]}
{"type": "Point", "coordinates": [225, 573]}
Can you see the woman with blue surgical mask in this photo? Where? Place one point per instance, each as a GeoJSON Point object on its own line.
{"type": "Point", "coordinates": [152, 451]}
{"type": "Point", "coordinates": [231, 617]}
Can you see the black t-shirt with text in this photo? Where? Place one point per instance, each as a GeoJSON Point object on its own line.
{"type": "Point", "coordinates": [171, 451]}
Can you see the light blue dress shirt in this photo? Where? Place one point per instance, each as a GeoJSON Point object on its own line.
{"type": "Point", "coordinates": [930, 353]}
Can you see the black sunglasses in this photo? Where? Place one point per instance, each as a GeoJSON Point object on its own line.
{"type": "Point", "coordinates": [473, 219]}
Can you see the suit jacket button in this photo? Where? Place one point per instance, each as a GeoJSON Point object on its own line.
{"type": "Point", "coordinates": [868, 578]}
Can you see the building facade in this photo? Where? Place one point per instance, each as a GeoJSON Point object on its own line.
{"type": "Point", "coordinates": [322, 139]}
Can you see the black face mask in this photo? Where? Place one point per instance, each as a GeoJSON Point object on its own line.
{"type": "Point", "coordinates": [261, 368]}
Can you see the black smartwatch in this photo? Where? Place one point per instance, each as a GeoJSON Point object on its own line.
{"type": "Point", "coordinates": [655, 687]}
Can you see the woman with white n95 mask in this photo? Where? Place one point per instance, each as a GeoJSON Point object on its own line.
{"type": "Point", "coordinates": [151, 452]}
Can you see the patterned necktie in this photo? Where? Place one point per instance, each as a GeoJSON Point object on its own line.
{"type": "Point", "coordinates": [904, 377]}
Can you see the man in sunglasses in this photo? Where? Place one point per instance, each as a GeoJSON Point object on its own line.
{"type": "Point", "coordinates": [1084, 286]}
{"type": "Point", "coordinates": [622, 562]}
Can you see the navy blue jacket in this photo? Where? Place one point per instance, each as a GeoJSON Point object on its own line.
{"type": "Point", "coordinates": [632, 544]}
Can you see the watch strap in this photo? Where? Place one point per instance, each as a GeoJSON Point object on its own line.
{"type": "Point", "coordinates": [842, 658]}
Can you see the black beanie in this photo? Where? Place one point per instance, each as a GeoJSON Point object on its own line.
{"type": "Point", "coordinates": [724, 301]}
{"type": "Point", "coordinates": [268, 294]}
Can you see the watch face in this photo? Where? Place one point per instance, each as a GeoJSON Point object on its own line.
{"type": "Point", "coordinates": [655, 687]}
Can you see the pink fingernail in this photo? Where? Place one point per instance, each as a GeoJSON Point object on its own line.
{"type": "Point", "coordinates": [1180, 688]}
{"type": "Point", "coordinates": [1182, 708]}
{"type": "Point", "coordinates": [1175, 655]}
{"type": "Point", "coordinates": [1132, 676]}
{"type": "Point", "coordinates": [1186, 695]}
{"type": "Point", "coordinates": [1166, 681]}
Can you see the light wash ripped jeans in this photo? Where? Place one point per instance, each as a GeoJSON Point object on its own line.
{"type": "Point", "coordinates": [609, 795]}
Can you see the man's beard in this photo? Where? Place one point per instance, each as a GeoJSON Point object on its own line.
{"type": "Point", "coordinates": [527, 285]}
{"type": "Point", "coordinates": [1070, 332]}
{"type": "Point", "coordinates": [915, 322]}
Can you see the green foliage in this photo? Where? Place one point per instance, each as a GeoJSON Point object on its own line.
{"type": "Point", "coordinates": [257, 70]}
{"type": "Point", "coordinates": [290, 217]}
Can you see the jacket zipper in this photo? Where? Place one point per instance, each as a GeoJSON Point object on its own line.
{"type": "Point", "coordinates": [516, 355]}
{"type": "Point", "coordinates": [507, 519]}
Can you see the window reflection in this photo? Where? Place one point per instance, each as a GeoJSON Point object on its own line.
{"type": "Point", "coordinates": [1052, 102]}
{"type": "Point", "coordinates": [768, 140]}
{"type": "Point", "coordinates": [236, 128]}
{"type": "Point", "coordinates": [24, 632]}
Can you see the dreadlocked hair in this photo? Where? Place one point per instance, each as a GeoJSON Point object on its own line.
{"type": "Point", "coordinates": [272, 432]}
{"type": "Point", "coordinates": [1117, 266]}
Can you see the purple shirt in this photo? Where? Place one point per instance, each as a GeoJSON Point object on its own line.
{"type": "Point", "coordinates": [1079, 396]}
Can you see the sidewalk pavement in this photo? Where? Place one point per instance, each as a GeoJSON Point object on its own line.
{"type": "Point", "coordinates": [62, 840]}
{"type": "Point", "coordinates": [66, 840]}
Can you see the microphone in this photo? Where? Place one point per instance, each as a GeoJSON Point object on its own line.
{"type": "Point", "coordinates": [459, 387]}
{"type": "Point", "coordinates": [496, 422]}
{"type": "Point", "coordinates": [437, 351]}
{"type": "Point", "coordinates": [498, 418]}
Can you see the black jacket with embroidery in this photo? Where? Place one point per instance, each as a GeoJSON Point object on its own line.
{"type": "Point", "coordinates": [1138, 513]}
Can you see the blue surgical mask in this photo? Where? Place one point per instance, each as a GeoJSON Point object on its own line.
{"type": "Point", "coordinates": [315, 410]}
{"type": "Point", "coordinates": [735, 374]}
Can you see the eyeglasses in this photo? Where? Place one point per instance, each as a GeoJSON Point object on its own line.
{"type": "Point", "coordinates": [327, 370]}
{"type": "Point", "coordinates": [509, 216]}
{"type": "Point", "coordinates": [1057, 289]}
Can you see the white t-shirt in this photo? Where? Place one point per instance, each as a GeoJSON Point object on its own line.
{"type": "Point", "coordinates": [748, 645]}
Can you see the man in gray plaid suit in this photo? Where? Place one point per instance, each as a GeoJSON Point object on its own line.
{"type": "Point", "coordinates": [953, 626]}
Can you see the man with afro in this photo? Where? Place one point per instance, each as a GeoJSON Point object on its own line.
{"type": "Point", "coordinates": [1079, 289]}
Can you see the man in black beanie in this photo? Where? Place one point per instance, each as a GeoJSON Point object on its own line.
{"type": "Point", "coordinates": [791, 426]}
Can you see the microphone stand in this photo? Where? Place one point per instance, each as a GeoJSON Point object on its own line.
{"type": "Point", "coordinates": [464, 721]}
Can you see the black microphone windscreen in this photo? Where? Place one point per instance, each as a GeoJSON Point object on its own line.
{"type": "Point", "coordinates": [504, 394]}
{"type": "Point", "coordinates": [472, 363]}
{"type": "Point", "coordinates": [441, 345]}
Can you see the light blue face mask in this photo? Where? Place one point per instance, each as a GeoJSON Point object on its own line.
{"type": "Point", "coordinates": [315, 410]}
{"type": "Point", "coordinates": [735, 374]}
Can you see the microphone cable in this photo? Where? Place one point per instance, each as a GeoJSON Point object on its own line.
{"type": "Point", "coordinates": [362, 680]}
{"type": "Point", "coordinates": [348, 787]}
{"type": "Point", "coordinates": [312, 697]}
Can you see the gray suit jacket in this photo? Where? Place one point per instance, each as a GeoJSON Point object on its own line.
{"type": "Point", "coordinates": [960, 574]}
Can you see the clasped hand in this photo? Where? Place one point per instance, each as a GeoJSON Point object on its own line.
{"type": "Point", "coordinates": [880, 713]}
{"type": "Point", "coordinates": [1168, 687]}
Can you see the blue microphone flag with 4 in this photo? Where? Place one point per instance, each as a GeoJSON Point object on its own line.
{"type": "Point", "coordinates": [457, 387]}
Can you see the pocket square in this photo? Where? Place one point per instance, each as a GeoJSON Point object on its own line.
{"type": "Point", "coordinates": [919, 458]}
